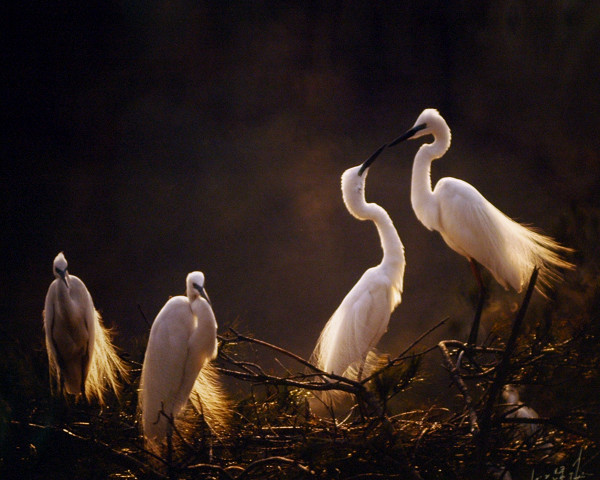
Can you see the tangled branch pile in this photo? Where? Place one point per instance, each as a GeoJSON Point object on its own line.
{"type": "Point", "coordinates": [552, 354]}
{"type": "Point", "coordinates": [277, 435]}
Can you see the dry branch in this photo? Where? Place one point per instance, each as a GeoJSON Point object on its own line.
{"type": "Point", "coordinates": [501, 373]}
{"type": "Point", "coordinates": [119, 456]}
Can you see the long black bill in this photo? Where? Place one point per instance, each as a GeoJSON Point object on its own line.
{"type": "Point", "coordinates": [63, 276]}
{"type": "Point", "coordinates": [371, 159]}
{"type": "Point", "coordinates": [203, 293]}
{"type": "Point", "coordinates": [408, 134]}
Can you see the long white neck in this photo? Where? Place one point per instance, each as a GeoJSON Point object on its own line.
{"type": "Point", "coordinates": [354, 198]}
{"type": "Point", "coordinates": [421, 193]}
{"type": "Point", "coordinates": [69, 301]}
{"type": "Point", "coordinates": [199, 306]}
{"type": "Point", "coordinates": [64, 295]}
{"type": "Point", "coordinates": [393, 249]}
{"type": "Point", "coordinates": [206, 323]}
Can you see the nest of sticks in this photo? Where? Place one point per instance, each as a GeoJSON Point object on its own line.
{"type": "Point", "coordinates": [276, 434]}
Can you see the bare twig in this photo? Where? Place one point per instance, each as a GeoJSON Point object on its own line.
{"type": "Point", "coordinates": [222, 472]}
{"type": "Point", "coordinates": [402, 357]}
{"type": "Point", "coordinates": [454, 373]}
{"type": "Point", "coordinates": [422, 336]}
{"type": "Point", "coordinates": [252, 372]}
{"type": "Point", "coordinates": [554, 421]}
{"type": "Point", "coordinates": [502, 371]}
{"type": "Point", "coordinates": [121, 456]}
{"type": "Point", "coordinates": [265, 462]}
{"type": "Point", "coordinates": [143, 315]}
{"type": "Point", "coordinates": [240, 337]}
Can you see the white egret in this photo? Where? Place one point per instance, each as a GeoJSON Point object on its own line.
{"type": "Point", "coordinates": [517, 409]}
{"type": "Point", "coordinates": [183, 341]}
{"type": "Point", "coordinates": [471, 225]}
{"type": "Point", "coordinates": [363, 316]}
{"type": "Point", "coordinates": [81, 357]}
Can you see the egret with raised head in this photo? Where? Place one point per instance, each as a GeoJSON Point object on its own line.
{"type": "Point", "coordinates": [363, 316]}
{"type": "Point", "coordinates": [471, 225]}
{"type": "Point", "coordinates": [82, 359]}
{"type": "Point", "coordinates": [182, 343]}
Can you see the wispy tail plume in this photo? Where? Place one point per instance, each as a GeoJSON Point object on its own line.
{"type": "Point", "coordinates": [528, 249]}
{"type": "Point", "coordinates": [550, 260]}
{"type": "Point", "coordinates": [107, 369]}
{"type": "Point", "coordinates": [209, 398]}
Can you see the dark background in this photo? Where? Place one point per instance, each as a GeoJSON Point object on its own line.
{"type": "Point", "coordinates": [150, 139]}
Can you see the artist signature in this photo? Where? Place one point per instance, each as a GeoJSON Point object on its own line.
{"type": "Point", "coordinates": [564, 472]}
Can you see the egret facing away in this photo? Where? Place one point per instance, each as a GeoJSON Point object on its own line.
{"type": "Point", "coordinates": [516, 409]}
{"type": "Point", "coordinates": [183, 341]}
{"type": "Point", "coordinates": [471, 225]}
{"type": "Point", "coordinates": [363, 316]}
{"type": "Point", "coordinates": [81, 357]}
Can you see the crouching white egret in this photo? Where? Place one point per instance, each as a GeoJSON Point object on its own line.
{"type": "Point", "coordinates": [517, 409]}
{"type": "Point", "coordinates": [363, 316]}
{"type": "Point", "coordinates": [182, 342]}
{"type": "Point", "coordinates": [471, 225]}
{"type": "Point", "coordinates": [527, 432]}
{"type": "Point", "coordinates": [82, 360]}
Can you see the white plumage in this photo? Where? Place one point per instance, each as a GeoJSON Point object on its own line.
{"type": "Point", "coordinates": [81, 357]}
{"type": "Point", "coordinates": [363, 316]}
{"type": "Point", "coordinates": [471, 225]}
{"type": "Point", "coordinates": [517, 409]}
{"type": "Point", "coordinates": [182, 342]}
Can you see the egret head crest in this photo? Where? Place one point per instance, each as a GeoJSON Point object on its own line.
{"type": "Point", "coordinates": [60, 268]}
{"type": "Point", "coordinates": [430, 122]}
{"type": "Point", "coordinates": [510, 394]}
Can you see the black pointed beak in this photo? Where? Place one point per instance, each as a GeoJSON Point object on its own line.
{"type": "Point", "coordinates": [371, 159]}
{"type": "Point", "coordinates": [203, 293]}
{"type": "Point", "coordinates": [63, 276]}
{"type": "Point", "coordinates": [205, 296]}
{"type": "Point", "coordinates": [408, 134]}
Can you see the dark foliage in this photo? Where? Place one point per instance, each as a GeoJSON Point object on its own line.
{"type": "Point", "coordinates": [276, 435]}
{"type": "Point", "coordinates": [551, 354]}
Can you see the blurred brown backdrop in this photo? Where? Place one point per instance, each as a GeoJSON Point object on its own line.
{"type": "Point", "coordinates": [150, 139]}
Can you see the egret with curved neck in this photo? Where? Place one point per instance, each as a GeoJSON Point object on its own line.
{"type": "Point", "coordinates": [363, 316]}
{"type": "Point", "coordinates": [471, 225]}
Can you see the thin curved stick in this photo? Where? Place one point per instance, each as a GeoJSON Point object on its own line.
{"type": "Point", "coordinates": [401, 356]}
{"type": "Point", "coordinates": [501, 373]}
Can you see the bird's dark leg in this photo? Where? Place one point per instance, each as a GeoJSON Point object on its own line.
{"type": "Point", "coordinates": [61, 383]}
{"type": "Point", "coordinates": [83, 374]}
{"type": "Point", "coordinates": [482, 292]}
{"type": "Point", "coordinates": [169, 446]}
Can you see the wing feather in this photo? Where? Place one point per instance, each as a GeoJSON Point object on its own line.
{"type": "Point", "coordinates": [48, 315]}
{"type": "Point", "coordinates": [356, 326]}
{"type": "Point", "coordinates": [162, 372]}
{"type": "Point", "coordinates": [476, 229]}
